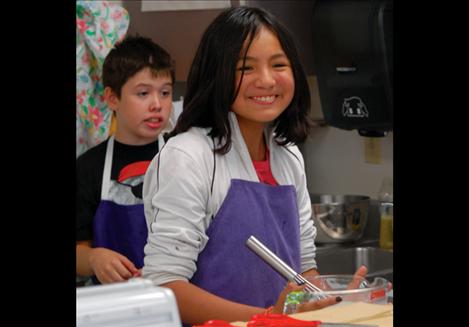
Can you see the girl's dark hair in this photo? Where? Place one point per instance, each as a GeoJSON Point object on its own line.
{"type": "Point", "coordinates": [211, 81]}
{"type": "Point", "coordinates": [130, 56]}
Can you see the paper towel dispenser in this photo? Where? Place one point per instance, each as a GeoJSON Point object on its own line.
{"type": "Point", "coordinates": [353, 58]}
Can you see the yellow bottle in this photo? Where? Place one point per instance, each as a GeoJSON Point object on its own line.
{"type": "Point", "coordinates": [385, 197]}
{"type": "Point", "coordinates": [386, 232]}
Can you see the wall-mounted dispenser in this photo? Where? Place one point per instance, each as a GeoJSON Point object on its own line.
{"type": "Point", "coordinates": [353, 58]}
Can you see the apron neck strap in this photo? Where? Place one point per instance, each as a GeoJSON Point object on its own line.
{"type": "Point", "coordinates": [107, 168]}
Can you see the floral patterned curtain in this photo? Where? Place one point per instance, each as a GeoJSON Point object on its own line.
{"type": "Point", "coordinates": [100, 24]}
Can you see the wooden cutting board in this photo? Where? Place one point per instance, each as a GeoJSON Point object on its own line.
{"type": "Point", "coordinates": [355, 312]}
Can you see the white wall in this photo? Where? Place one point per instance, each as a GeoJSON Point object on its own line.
{"type": "Point", "coordinates": [335, 162]}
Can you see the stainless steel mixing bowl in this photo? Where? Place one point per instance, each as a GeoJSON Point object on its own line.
{"type": "Point", "coordinates": [339, 218]}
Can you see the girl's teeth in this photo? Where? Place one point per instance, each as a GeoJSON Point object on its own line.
{"type": "Point", "coordinates": [265, 99]}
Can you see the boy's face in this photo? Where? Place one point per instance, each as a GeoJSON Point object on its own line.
{"type": "Point", "coordinates": [268, 84]}
{"type": "Point", "coordinates": [143, 109]}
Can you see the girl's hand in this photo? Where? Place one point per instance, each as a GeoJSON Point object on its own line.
{"type": "Point", "coordinates": [309, 306]}
{"type": "Point", "coordinates": [318, 304]}
{"type": "Point", "coordinates": [110, 266]}
{"type": "Point", "coordinates": [358, 277]}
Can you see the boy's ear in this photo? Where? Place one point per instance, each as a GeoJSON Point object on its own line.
{"type": "Point", "coordinates": [111, 98]}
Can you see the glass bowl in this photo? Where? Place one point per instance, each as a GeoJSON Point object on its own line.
{"type": "Point", "coordinates": [348, 287]}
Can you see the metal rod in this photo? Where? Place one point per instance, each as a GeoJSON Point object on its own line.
{"type": "Point", "coordinates": [279, 265]}
{"type": "Point", "coordinates": [268, 256]}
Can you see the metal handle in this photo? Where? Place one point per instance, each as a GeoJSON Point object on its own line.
{"type": "Point", "coordinates": [268, 256]}
{"type": "Point", "coordinates": [281, 267]}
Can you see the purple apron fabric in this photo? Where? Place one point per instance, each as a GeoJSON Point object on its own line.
{"type": "Point", "coordinates": [226, 267]}
{"type": "Point", "coordinates": [121, 228]}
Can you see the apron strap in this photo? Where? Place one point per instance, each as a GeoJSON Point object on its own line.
{"type": "Point", "coordinates": [107, 169]}
{"type": "Point", "coordinates": [160, 141]}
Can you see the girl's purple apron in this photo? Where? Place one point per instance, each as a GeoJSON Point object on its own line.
{"type": "Point", "coordinates": [121, 228]}
{"type": "Point", "coordinates": [226, 267]}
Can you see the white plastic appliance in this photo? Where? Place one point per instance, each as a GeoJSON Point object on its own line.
{"type": "Point", "coordinates": [134, 303]}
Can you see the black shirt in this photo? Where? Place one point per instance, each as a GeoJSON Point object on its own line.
{"type": "Point", "coordinates": [89, 176]}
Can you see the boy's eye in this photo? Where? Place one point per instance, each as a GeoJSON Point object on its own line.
{"type": "Point", "coordinates": [142, 94]}
{"type": "Point", "coordinates": [166, 93]}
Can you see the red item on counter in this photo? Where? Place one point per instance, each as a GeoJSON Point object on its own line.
{"type": "Point", "coordinates": [279, 320]}
{"type": "Point", "coordinates": [215, 323]}
{"type": "Point", "coordinates": [266, 320]}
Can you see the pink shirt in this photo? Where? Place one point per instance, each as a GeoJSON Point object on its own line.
{"type": "Point", "coordinates": [263, 170]}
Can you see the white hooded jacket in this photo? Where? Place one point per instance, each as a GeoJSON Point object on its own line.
{"type": "Point", "coordinates": [186, 184]}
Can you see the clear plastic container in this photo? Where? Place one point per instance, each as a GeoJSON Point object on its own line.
{"type": "Point", "coordinates": [348, 287]}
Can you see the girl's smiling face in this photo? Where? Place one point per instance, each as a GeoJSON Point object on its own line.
{"type": "Point", "coordinates": [268, 85]}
